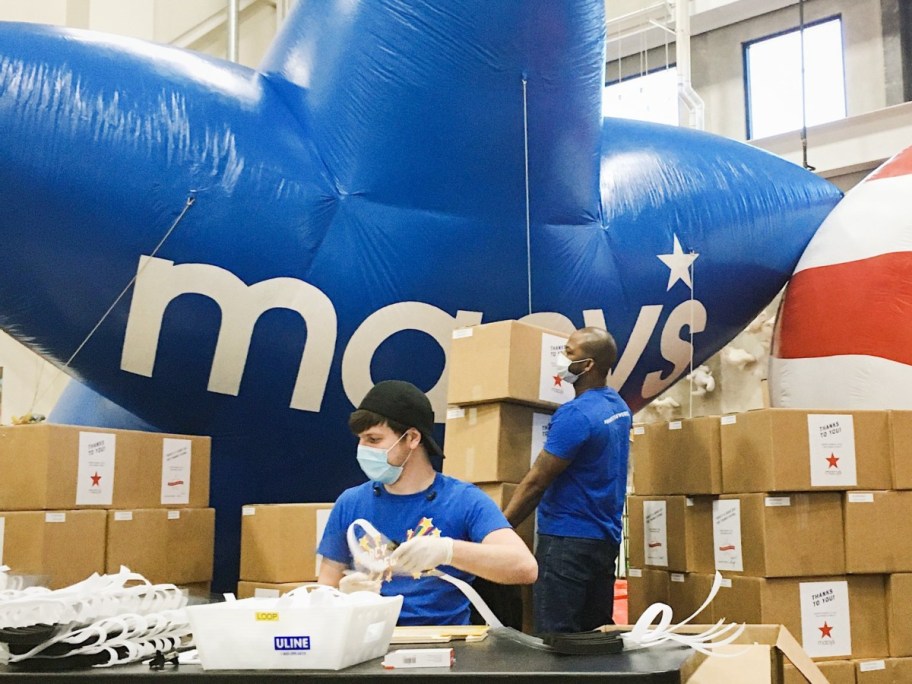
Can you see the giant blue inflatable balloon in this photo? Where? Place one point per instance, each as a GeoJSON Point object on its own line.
{"type": "Point", "coordinates": [297, 232]}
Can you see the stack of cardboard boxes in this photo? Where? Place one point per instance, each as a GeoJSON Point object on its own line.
{"type": "Point", "coordinates": [279, 547]}
{"type": "Point", "coordinates": [806, 514]}
{"type": "Point", "coordinates": [503, 388]}
{"type": "Point", "coordinates": [77, 500]}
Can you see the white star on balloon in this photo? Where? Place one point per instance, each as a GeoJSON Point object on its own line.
{"type": "Point", "coordinates": [679, 264]}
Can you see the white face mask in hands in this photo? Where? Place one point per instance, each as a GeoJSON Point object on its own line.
{"type": "Point", "coordinates": [422, 553]}
{"type": "Point", "coordinates": [563, 368]}
{"type": "Point", "coordinates": [375, 464]}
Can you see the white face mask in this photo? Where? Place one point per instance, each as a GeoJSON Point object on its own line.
{"type": "Point", "coordinates": [563, 368]}
{"type": "Point", "coordinates": [374, 463]}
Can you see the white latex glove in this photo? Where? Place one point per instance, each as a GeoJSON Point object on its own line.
{"type": "Point", "coordinates": [422, 553]}
{"type": "Point", "coordinates": [358, 581]}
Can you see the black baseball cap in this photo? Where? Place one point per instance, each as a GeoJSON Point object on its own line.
{"type": "Point", "coordinates": [406, 404]}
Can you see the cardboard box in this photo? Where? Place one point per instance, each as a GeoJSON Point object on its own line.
{"type": "Point", "coordinates": [678, 457]}
{"type": "Point", "coordinates": [883, 671]}
{"type": "Point", "coordinates": [506, 360]}
{"type": "Point", "coordinates": [493, 442]}
{"type": "Point", "coordinates": [829, 604]}
{"type": "Point", "coordinates": [502, 492]}
{"type": "Point", "coordinates": [49, 467]}
{"type": "Point", "coordinates": [671, 533]}
{"type": "Point", "coordinates": [279, 541]}
{"type": "Point", "coordinates": [878, 532]}
{"type": "Point", "coordinates": [901, 448]}
{"type": "Point", "coordinates": [652, 476]}
{"type": "Point", "coordinates": [265, 589]}
{"type": "Point", "coordinates": [59, 548]}
{"type": "Point", "coordinates": [644, 587]}
{"type": "Point", "coordinates": [835, 671]}
{"type": "Point", "coordinates": [793, 450]}
{"type": "Point", "coordinates": [899, 614]}
{"type": "Point", "coordinates": [686, 594]}
{"type": "Point", "coordinates": [791, 535]}
{"type": "Point", "coordinates": [755, 657]}
{"type": "Point", "coordinates": [173, 546]}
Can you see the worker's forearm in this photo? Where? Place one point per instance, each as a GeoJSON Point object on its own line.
{"type": "Point", "coordinates": [501, 563]}
{"type": "Point", "coordinates": [526, 497]}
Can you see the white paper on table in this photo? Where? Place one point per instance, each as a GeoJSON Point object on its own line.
{"type": "Point", "coordinates": [95, 472]}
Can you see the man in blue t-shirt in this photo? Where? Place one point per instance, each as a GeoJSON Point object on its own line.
{"type": "Point", "coordinates": [578, 482]}
{"type": "Point", "coordinates": [435, 520]}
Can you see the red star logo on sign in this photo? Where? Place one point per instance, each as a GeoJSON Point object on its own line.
{"type": "Point", "coordinates": [96, 479]}
{"type": "Point", "coordinates": [833, 460]}
{"type": "Point", "coordinates": [825, 630]}
{"type": "Point", "coordinates": [557, 381]}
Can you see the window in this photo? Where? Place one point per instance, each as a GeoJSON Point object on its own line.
{"type": "Point", "coordinates": [772, 69]}
{"type": "Point", "coordinates": [651, 97]}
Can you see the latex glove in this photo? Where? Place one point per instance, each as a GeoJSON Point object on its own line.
{"type": "Point", "coordinates": [358, 581]}
{"type": "Point", "coordinates": [422, 553]}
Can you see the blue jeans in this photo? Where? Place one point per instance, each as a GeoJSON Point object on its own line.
{"type": "Point", "coordinates": [575, 587]}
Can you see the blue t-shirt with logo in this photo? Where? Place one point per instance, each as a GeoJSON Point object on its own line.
{"type": "Point", "coordinates": [586, 500]}
{"type": "Point", "coordinates": [458, 509]}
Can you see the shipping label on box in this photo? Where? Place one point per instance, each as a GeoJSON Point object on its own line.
{"type": "Point", "coordinates": [831, 438]}
{"type": "Point", "coordinates": [727, 535]}
{"type": "Point", "coordinates": [550, 386]}
{"type": "Point", "coordinates": [177, 456]}
{"type": "Point", "coordinates": [540, 424]}
{"type": "Point", "coordinates": [655, 537]}
{"type": "Point", "coordinates": [825, 624]}
{"type": "Point", "coordinates": [95, 472]}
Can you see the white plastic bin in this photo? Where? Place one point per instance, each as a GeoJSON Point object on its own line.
{"type": "Point", "coordinates": [310, 628]}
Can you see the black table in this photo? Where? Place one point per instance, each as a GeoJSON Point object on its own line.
{"type": "Point", "coordinates": [493, 659]}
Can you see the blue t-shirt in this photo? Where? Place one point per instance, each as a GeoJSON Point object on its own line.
{"type": "Point", "coordinates": [586, 500]}
{"type": "Point", "coordinates": [458, 509]}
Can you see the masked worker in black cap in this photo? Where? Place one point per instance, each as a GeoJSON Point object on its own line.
{"type": "Point", "coordinates": [436, 520]}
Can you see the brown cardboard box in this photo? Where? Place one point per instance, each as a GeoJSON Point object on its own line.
{"type": "Point", "coordinates": [265, 589]}
{"type": "Point", "coordinates": [687, 592]}
{"type": "Point", "coordinates": [502, 492]}
{"type": "Point", "coordinates": [652, 476]}
{"type": "Point", "coordinates": [791, 535]}
{"type": "Point", "coordinates": [678, 457]}
{"type": "Point", "coordinates": [691, 450]}
{"type": "Point", "coordinates": [679, 533]}
{"type": "Point", "coordinates": [59, 547]}
{"type": "Point", "coordinates": [899, 614]}
{"type": "Point", "coordinates": [644, 587]}
{"type": "Point", "coordinates": [279, 541]}
{"type": "Point", "coordinates": [506, 360]}
{"type": "Point", "coordinates": [759, 600]}
{"type": "Point", "coordinates": [41, 466]}
{"type": "Point", "coordinates": [878, 532]}
{"type": "Point", "coordinates": [174, 545]}
{"type": "Point", "coordinates": [835, 671]}
{"type": "Point", "coordinates": [755, 657]}
{"type": "Point", "coordinates": [883, 671]}
{"type": "Point", "coordinates": [493, 442]}
{"type": "Point", "coordinates": [768, 450]}
{"type": "Point", "coordinates": [901, 448]}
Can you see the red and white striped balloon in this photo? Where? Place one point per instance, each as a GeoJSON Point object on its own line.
{"type": "Point", "coordinates": [843, 335]}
